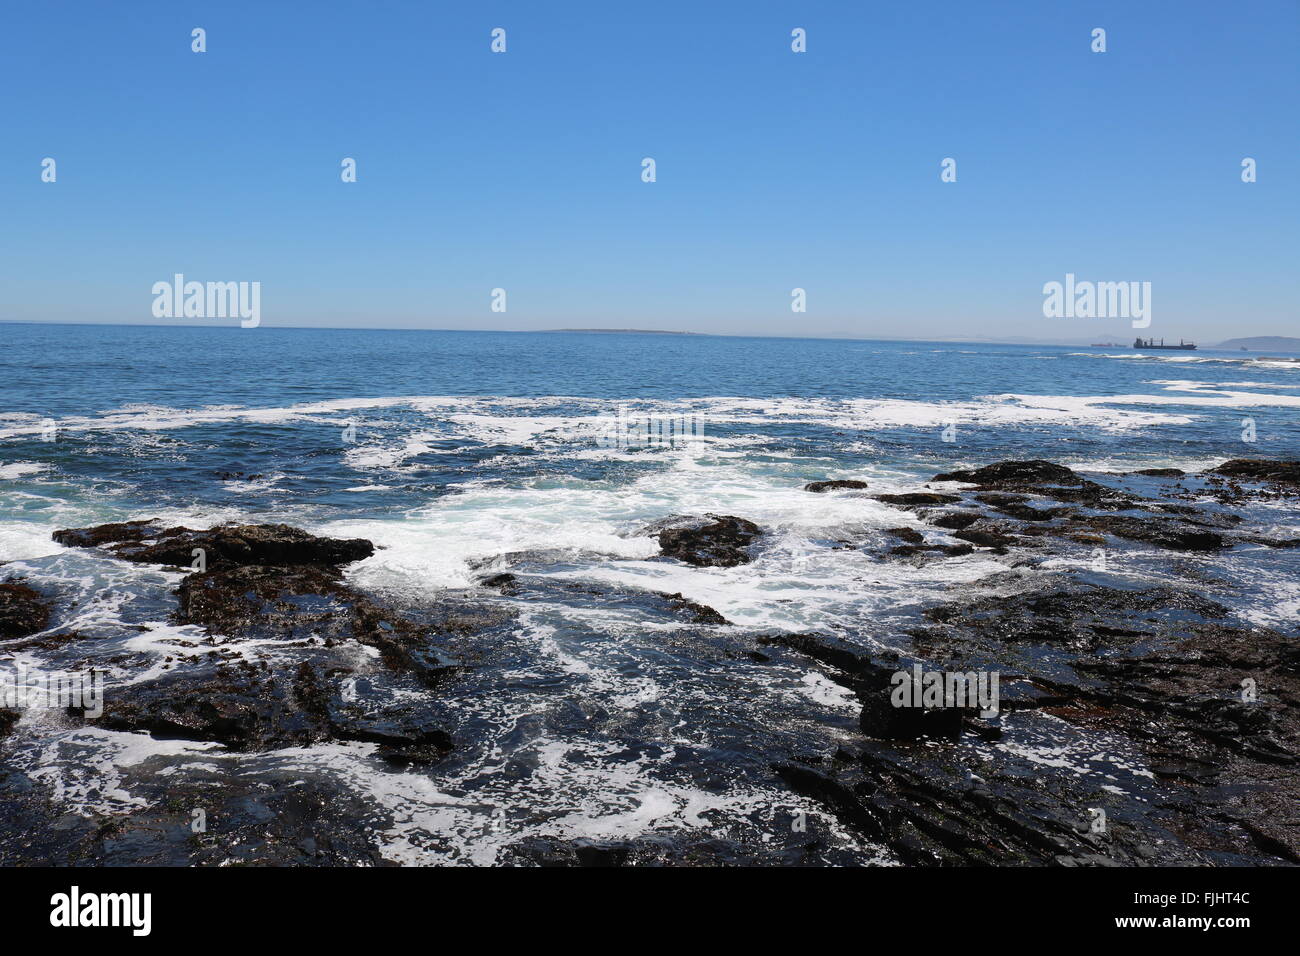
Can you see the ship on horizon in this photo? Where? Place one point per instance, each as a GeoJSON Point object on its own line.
{"type": "Point", "coordinates": [1151, 344]}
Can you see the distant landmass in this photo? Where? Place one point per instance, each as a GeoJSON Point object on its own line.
{"type": "Point", "coordinates": [1264, 343]}
{"type": "Point", "coordinates": [626, 331]}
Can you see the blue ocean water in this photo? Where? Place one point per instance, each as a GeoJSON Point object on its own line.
{"type": "Point", "coordinates": [153, 417]}
{"type": "Point", "coordinates": [589, 711]}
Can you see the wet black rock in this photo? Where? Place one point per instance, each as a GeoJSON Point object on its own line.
{"type": "Point", "coordinates": [305, 603]}
{"type": "Point", "coordinates": [1007, 487]}
{"type": "Point", "coordinates": [918, 498]}
{"type": "Point", "coordinates": [1089, 494]}
{"type": "Point", "coordinates": [1217, 715]}
{"type": "Point", "coordinates": [955, 519]}
{"type": "Point", "coordinates": [400, 744]}
{"type": "Point", "coordinates": [1079, 615]}
{"type": "Point", "coordinates": [247, 707]}
{"type": "Point", "coordinates": [1102, 686]}
{"type": "Point", "coordinates": [273, 818]}
{"type": "Point", "coordinates": [1015, 506]}
{"type": "Point", "coordinates": [711, 541]}
{"type": "Point", "coordinates": [23, 610]}
{"type": "Point", "coordinates": [1158, 672]}
{"type": "Point", "coordinates": [1256, 469]}
{"type": "Point", "coordinates": [931, 550]}
{"type": "Point", "coordinates": [1271, 542]}
{"type": "Point", "coordinates": [696, 612]}
{"type": "Point", "coordinates": [881, 718]}
{"type": "Point", "coordinates": [1045, 479]}
{"type": "Point", "coordinates": [930, 812]}
{"type": "Point", "coordinates": [505, 582]}
{"type": "Point", "coordinates": [1208, 707]}
{"type": "Point", "coordinates": [641, 852]}
{"type": "Point", "coordinates": [237, 705]}
{"type": "Point", "coordinates": [835, 485]}
{"type": "Point", "coordinates": [101, 534]}
{"type": "Point", "coordinates": [226, 545]}
{"type": "Point", "coordinates": [1032, 472]}
{"type": "Point", "coordinates": [1161, 472]}
{"type": "Point", "coordinates": [856, 668]}
{"type": "Point", "coordinates": [874, 681]}
{"type": "Point", "coordinates": [1175, 536]}
{"type": "Point", "coordinates": [985, 539]}
{"type": "Point", "coordinates": [999, 498]}
{"type": "Point", "coordinates": [460, 618]}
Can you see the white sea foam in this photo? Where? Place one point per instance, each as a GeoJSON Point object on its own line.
{"type": "Point", "coordinates": [21, 469]}
{"type": "Point", "coordinates": [20, 540]}
{"type": "Point", "coordinates": [86, 767]}
{"type": "Point", "coordinates": [480, 419]}
{"type": "Point", "coordinates": [797, 579]}
{"type": "Point", "coordinates": [1184, 358]}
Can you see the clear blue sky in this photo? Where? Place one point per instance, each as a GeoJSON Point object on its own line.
{"type": "Point", "coordinates": [775, 169]}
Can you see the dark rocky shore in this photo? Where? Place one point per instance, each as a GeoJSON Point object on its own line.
{"type": "Point", "coordinates": [1157, 666]}
{"type": "Point", "coordinates": [1205, 707]}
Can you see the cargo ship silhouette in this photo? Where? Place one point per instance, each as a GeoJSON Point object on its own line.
{"type": "Point", "coordinates": [1151, 344]}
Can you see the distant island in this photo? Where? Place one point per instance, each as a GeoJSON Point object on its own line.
{"type": "Point", "coordinates": [1280, 343]}
{"type": "Point", "coordinates": [626, 331]}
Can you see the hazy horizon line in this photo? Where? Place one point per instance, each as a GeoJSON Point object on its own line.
{"type": "Point", "coordinates": [1022, 340]}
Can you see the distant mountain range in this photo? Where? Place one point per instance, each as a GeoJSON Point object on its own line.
{"type": "Point", "coordinates": [1263, 343]}
{"type": "Point", "coordinates": [1256, 343]}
